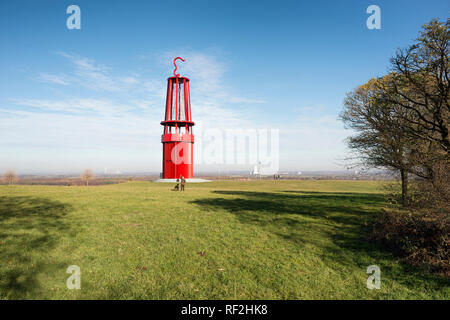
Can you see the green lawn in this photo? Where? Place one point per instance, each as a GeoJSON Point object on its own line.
{"type": "Point", "coordinates": [261, 240]}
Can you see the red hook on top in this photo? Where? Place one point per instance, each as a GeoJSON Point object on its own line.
{"type": "Point", "coordinates": [174, 63]}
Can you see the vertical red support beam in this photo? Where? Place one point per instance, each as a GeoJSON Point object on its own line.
{"type": "Point", "coordinates": [176, 105]}
{"type": "Point", "coordinates": [179, 101]}
{"type": "Point", "coordinates": [171, 99]}
{"type": "Point", "coordinates": [189, 100]}
{"type": "Point", "coordinates": [186, 116]}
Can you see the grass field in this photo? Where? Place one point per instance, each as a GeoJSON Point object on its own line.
{"type": "Point", "coordinates": [218, 240]}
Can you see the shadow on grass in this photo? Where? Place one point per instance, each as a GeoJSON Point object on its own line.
{"type": "Point", "coordinates": [314, 218]}
{"type": "Point", "coordinates": [29, 228]}
{"type": "Point", "coordinates": [349, 209]}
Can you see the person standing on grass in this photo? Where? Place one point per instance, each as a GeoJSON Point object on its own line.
{"type": "Point", "coordinates": [183, 181]}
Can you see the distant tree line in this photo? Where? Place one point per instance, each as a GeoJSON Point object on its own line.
{"type": "Point", "coordinates": [10, 176]}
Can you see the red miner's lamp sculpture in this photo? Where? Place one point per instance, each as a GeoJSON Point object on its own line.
{"type": "Point", "coordinates": [177, 138]}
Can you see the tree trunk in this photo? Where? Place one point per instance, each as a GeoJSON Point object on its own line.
{"type": "Point", "coordinates": [87, 183]}
{"type": "Point", "coordinates": [404, 177]}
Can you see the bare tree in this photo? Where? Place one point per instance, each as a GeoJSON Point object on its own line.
{"type": "Point", "coordinates": [10, 177]}
{"type": "Point", "coordinates": [420, 84]}
{"type": "Point", "coordinates": [87, 175]}
{"type": "Point", "coordinates": [380, 140]}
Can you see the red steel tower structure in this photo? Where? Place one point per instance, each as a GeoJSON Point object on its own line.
{"type": "Point", "coordinates": [177, 138]}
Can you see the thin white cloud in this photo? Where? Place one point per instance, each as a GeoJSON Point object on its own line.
{"type": "Point", "coordinates": [92, 75]}
{"type": "Point", "coordinates": [85, 107]}
{"type": "Point", "coordinates": [53, 78]}
{"type": "Point", "coordinates": [112, 127]}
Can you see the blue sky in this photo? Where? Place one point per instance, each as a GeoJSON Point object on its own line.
{"type": "Point", "coordinates": [94, 97]}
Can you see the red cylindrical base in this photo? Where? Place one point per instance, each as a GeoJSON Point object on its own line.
{"type": "Point", "coordinates": [177, 156]}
